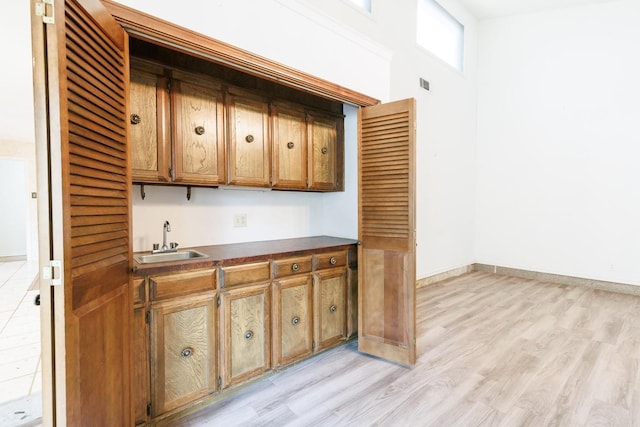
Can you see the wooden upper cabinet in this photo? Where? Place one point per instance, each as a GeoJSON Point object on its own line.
{"type": "Point", "coordinates": [176, 126]}
{"type": "Point", "coordinates": [197, 129]}
{"type": "Point", "coordinates": [149, 127]}
{"type": "Point", "coordinates": [248, 139]}
{"type": "Point", "coordinates": [326, 151]}
{"type": "Point", "coordinates": [289, 147]}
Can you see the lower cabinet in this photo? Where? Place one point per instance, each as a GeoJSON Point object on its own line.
{"type": "Point", "coordinates": [183, 351]}
{"type": "Point", "coordinates": [140, 362]}
{"type": "Point", "coordinates": [197, 332]}
{"type": "Point", "coordinates": [292, 319]}
{"type": "Point", "coordinates": [330, 307]}
{"type": "Point", "coordinates": [246, 335]}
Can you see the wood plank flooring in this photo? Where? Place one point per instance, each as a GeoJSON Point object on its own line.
{"type": "Point", "coordinates": [493, 351]}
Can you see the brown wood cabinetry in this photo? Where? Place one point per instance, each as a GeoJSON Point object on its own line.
{"type": "Point", "coordinates": [177, 126]}
{"type": "Point", "coordinates": [289, 162]}
{"type": "Point", "coordinates": [330, 307]}
{"type": "Point", "coordinates": [149, 124]}
{"type": "Point", "coordinates": [248, 138]}
{"type": "Point", "coordinates": [197, 113]}
{"type": "Point", "coordinates": [326, 151]}
{"type": "Point", "coordinates": [198, 332]}
{"type": "Point", "coordinates": [183, 351]}
{"type": "Point", "coordinates": [186, 129]}
{"type": "Point", "coordinates": [140, 356]}
{"type": "Point", "coordinates": [292, 319]}
{"type": "Point", "coordinates": [246, 343]}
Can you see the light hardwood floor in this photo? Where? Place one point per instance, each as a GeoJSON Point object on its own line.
{"type": "Point", "coordinates": [494, 350]}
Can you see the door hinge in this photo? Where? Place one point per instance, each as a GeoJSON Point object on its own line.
{"type": "Point", "coordinates": [218, 301]}
{"type": "Point", "coordinates": [49, 272]}
{"type": "Point", "coordinates": [148, 409]}
{"type": "Point", "coordinates": [147, 317]}
{"type": "Point", "coordinates": [219, 382]}
{"type": "Point", "coordinates": [313, 345]}
{"type": "Point", "coordinates": [41, 10]}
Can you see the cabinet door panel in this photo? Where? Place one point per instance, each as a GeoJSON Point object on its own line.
{"type": "Point", "coordinates": [247, 334]}
{"type": "Point", "coordinates": [249, 150]}
{"type": "Point", "coordinates": [326, 145]}
{"type": "Point", "coordinates": [293, 319]}
{"type": "Point", "coordinates": [331, 307]}
{"type": "Point", "coordinates": [140, 389]}
{"type": "Point", "coordinates": [148, 128]}
{"type": "Point", "coordinates": [289, 147]}
{"type": "Point", "coordinates": [198, 136]}
{"type": "Point", "coordinates": [183, 353]}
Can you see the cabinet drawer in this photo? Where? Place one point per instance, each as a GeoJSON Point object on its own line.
{"type": "Point", "coordinates": [330, 260]}
{"type": "Point", "coordinates": [289, 266]}
{"type": "Point", "coordinates": [184, 283]}
{"type": "Point", "coordinates": [245, 273]}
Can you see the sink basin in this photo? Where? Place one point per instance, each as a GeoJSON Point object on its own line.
{"type": "Point", "coordinates": [168, 256]}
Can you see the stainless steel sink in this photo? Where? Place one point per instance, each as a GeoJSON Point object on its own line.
{"type": "Point", "coordinates": [168, 256]}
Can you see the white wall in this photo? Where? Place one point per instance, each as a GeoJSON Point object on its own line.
{"type": "Point", "coordinates": [17, 140]}
{"type": "Point", "coordinates": [559, 141]}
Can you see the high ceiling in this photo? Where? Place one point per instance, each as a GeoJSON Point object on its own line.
{"type": "Point", "coordinates": [484, 9]}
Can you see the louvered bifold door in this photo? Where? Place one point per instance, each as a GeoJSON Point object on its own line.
{"type": "Point", "coordinates": [386, 259]}
{"type": "Point", "coordinates": [86, 54]}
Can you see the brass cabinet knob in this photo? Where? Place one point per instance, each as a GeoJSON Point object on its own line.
{"type": "Point", "coordinates": [295, 267]}
{"type": "Point", "coordinates": [186, 352]}
{"type": "Point", "coordinates": [249, 138]}
{"type": "Point", "coordinates": [333, 308]}
{"type": "Point", "coordinates": [135, 119]}
{"type": "Point", "coordinates": [324, 150]}
{"type": "Point", "coordinates": [248, 335]}
{"type": "Point", "coordinates": [199, 130]}
{"type": "Point", "coordinates": [290, 144]}
{"type": "Point", "coordinates": [295, 320]}
{"type": "Point", "coordinates": [332, 260]}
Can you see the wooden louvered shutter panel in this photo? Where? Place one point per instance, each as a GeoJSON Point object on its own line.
{"type": "Point", "coordinates": [386, 288]}
{"type": "Point", "coordinates": [88, 80]}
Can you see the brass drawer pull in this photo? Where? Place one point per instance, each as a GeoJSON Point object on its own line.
{"type": "Point", "coordinates": [324, 150]}
{"type": "Point", "coordinates": [290, 145]}
{"type": "Point", "coordinates": [295, 267]}
{"type": "Point", "coordinates": [249, 138]}
{"type": "Point", "coordinates": [333, 308]}
{"type": "Point", "coordinates": [135, 119]}
{"type": "Point", "coordinates": [186, 352]}
{"type": "Point", "coordinates": [248, 335]}
{"type": "Point", "coordinates": [332, 260]}
{"type": "Point", "coordinates": [199, 130]}
{"type": "Point", "coordinates": [295, 320]}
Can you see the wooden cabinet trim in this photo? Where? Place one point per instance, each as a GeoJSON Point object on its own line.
{"type": "Point", "coordinates": [155, 30]}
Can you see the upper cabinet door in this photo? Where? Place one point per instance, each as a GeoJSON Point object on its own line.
{"type": "Point", "coordinates": [197, 112]}
{"type": "Point", "coordinates": [81, 76]}
{"type": "Point", "coordinates": [148, 124]}
{"type": "Point", "coordinates": [248, 139]}
{"type": "Point", "coordinates": [289, 146]}
{"type": "Point", "coordinates": [326, 152]}
{"type": "Point", "coordinates": [386, 258]}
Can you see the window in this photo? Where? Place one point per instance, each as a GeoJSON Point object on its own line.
{"type": "Point", "coordinates": [363, 4]}
{"type": "Point", "coordinates": [440, 33]}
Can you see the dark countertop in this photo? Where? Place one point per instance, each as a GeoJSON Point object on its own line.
{"type": "Point", "coordinates": [236, 253]}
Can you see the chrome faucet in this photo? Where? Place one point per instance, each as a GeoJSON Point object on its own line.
{"type": "Point", "coordinates": [173, 246]}
{"type": "Point", "coordinates": [165, 229]}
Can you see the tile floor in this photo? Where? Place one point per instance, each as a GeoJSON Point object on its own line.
{"type": "Point", "coordinates": [20, 368]}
